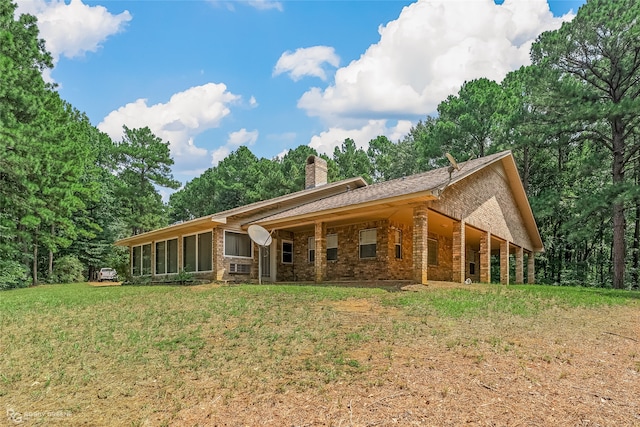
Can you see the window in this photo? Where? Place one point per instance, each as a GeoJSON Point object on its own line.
{"type": "Point", "coordinates": [167, 256]}
{"type": "Point", "coordinates": [172, 256]}
{"type": "Point", "coordinates": [197, 252]}
{"type": "Point", "coordinates": [161, 257]}
{"type": "Point", "coordinates": [368, 243]}
{"type": "Point", "coordinates": [189, 253]}
{"type": "Point", "coordinates": [146, 259]}
{"type": "Point", "coordinates": [312, 249]}
{"type": "Point", "coordinates": [398, 244]}
{"type": "Point", "coordinates": [332, 247]}
{"type": "Point", "coordinates": [287, 252]}
{"type": "Point", "coordinates": [136, 261]}
{"type": "Point", "coordinates": [141, 260]}
{"type": "Point", "coordinates": [205, 251]}
{"type": "Point", "coordinates": [237, 245]}
{"type": "Point", "coordinates": [432, 251]}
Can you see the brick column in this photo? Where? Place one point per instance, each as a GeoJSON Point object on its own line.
{"type": "Point", "coordinates": [218, 253]}
{"type": "Point", "coordinates": [519, 265]}
{"type": "Point", "coordinates": [504, 263]}
{"type": "Point", "coordinates": [320, 262]}
{"type": "Point", "coordinates": [485, 258]}
{"type": "Point", "coordinates": [459, 252]}
{"type": "Point", "coordinates": [420, 244]}
{"type": "Point", "coordinates": [531, 268]}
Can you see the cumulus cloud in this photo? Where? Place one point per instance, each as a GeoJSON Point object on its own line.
{"type": "Point", "coordinates": [235, 139]}
{"type": "Point", "coordinates": [328, 140]}
{"type": "Point", "coordinates": [427, 53]}
{"type": "Point", "coordinates": [178, 121]}
{"type": "Point", "coordinates": [75, 28]}
{"type": "Point", "coordinates": [307, 62]}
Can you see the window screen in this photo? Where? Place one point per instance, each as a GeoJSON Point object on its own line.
{"type": "Point", "coordinates": [312, 249]}
{"type": "Point", "coordinates": [237, 244]}
{"type": "Point", "coordinates": [332, 247]}
{"type": "Point", "coordinates": [189, 253]}
{"type": "Point", "coordinates": [287, 252]}
{"type": "Point", "coordinates": [368, 243]}
{"type": "Point", "coordinates": [204, 251]}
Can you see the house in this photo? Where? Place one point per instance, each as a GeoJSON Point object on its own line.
{"type": "Point", "coordinates": [446, 224]}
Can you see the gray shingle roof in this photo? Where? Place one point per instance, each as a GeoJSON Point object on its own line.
{"type": "Point", "coordinates": [431, 180]}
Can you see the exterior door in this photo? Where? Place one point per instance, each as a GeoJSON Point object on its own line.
{"type": "Point", "coordinates": [266, 262]}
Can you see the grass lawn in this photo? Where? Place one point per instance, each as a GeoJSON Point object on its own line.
{"type": "Point", "coordinates": [313, 355]}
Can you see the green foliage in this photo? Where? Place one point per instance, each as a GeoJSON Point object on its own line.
{"type": "Point", "coordinates": [12, 275]}
{"type": "Point", "coordinates": [67, 269]}
{"type": "Point", "coordinates": [143, 161]}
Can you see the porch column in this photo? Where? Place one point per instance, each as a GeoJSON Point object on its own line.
{"type": "Point", "coordinates": [131, 260]}
{"type": "Point", "coordinates": [420, 244]}
{"type": "Point", "coordinates": [485, 257]}
{"type": "Point", "coordinates": [504, 262]}
{"type": "Point", "coordinates": [459, 252]}
{"type": "Point", "coordinates": [218, 253]}
{"type": "Point", "coordinates": [519, 265]}
{"type": "Point", "coordinates": [320, 262]}
{"type": "Point", "coordinates": [531, 268]}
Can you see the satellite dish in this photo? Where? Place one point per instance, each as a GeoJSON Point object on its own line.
{"type": "Point", "coordinates": [259, 235]}
{"type": "Point", "coordinates": [263, 239]}
{"type": "Point", "coordinates": [453, 162]}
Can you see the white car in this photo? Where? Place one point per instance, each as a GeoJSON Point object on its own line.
{"type": "Point", "coordinates": [107, 274]}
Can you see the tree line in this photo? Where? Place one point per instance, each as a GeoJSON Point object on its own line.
{"type": "Point", "coordinates": [67, 191]}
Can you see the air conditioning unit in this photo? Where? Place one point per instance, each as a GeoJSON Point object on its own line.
{"type": "Point", "coordinates": [240, 268]}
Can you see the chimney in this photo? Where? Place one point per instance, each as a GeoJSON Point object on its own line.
{"type": "Point", "coordinates": [315, 172]}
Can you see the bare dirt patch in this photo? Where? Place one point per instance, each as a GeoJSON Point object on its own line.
{"type": "Point", "coordinates": [101, 284]}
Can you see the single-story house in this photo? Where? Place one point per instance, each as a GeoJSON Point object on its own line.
{"type": "Point", "coordinates": [444, 224]}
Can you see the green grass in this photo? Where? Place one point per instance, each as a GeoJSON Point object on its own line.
{"type": "Point", "coordinates": [516, 300]}
{"type": "Point", "coordinates": [162, 345]}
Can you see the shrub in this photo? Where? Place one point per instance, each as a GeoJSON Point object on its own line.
{"type": "Point", "coordinates": [12, 275]}
{"type": "Point", "coordinates": [68, 269]}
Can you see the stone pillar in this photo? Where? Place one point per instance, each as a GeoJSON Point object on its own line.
{"type": "Point", "coordinates": [320, 262]}
{"type": "Point", "coordinates": [485, 258]}
{"type": "Point", "coordinates": [531, 268]}
{"type": "Point", "coordinates": [504, 263]}
{"type": "Point", "coordinates": [420, 244]}
{"type": "Point", "coordinates": [519, 265]}
{"type": "Point", "coordinates": [459, 252]}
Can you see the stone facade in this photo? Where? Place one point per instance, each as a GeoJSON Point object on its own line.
{"type": "Point", "coordinates": [486, 202]}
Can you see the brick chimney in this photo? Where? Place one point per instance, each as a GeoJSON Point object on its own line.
{"type": "Point", "coordinates": [315, 172]}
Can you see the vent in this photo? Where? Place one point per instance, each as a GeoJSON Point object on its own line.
{"type": "Point", "coordinates": [240, 268]}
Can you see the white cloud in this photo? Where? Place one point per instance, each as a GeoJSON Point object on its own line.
{"type": "Point", "coordinates": [306, 62]}
{"type": "Point", "coordinates": [252, 102]}
{"type": "Point", "coordinates": [73, 29]}
{"type": "Point", "coordinates": [242, 137]}
{"type": "Point", "coordinates": [186, 115]}
{"type": "Point", "coordinates": [335, 136]}
{"type": "Point", "coordinates": [427, 53]}
{"type": "Point", "coordinates": [266, 4]}
{"type": "Point", "coordinates": [235, 139]}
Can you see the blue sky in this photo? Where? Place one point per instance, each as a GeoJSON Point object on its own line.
{"type": "Point", "coordinates": [209, 76]}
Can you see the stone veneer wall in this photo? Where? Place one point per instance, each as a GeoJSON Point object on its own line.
{"type": "Point", "coordinates": [485, 200]}
{"type": "Point", "coordinates": [442, 271]}
{"type": "Point", "coordinates": [385, 266]}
